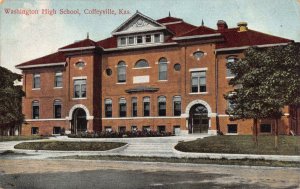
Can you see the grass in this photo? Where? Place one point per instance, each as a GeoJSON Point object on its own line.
{"type": "Point", "coordinates": [242, 144]}
{"type": "Point", "coordinates": [223, 161]}
{"type": "Point", "coordinates": [69, 146]}
{"type": "Point", "coordinates": [18, 138]}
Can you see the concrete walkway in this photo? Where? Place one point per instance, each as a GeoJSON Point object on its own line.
{"type": "Point", "coordinates": [147, 147]}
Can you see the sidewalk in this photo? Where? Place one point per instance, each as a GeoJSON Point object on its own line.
{"type": "Point", "coordinates": [146, 147]}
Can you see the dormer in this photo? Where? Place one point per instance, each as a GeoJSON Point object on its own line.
{"type": "Point", "coordinates": [140, 30]}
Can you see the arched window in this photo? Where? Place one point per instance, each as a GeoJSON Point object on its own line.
{"type": "Point", "coordinates": [108, 107]}
{"type": "Point", "coordinates": [162, 69]}
{"type": "Point", "coordinates": [146, 106]}
{"type": "Point", "coordinates": [57, 108]}
{"type": "Point", "coordinates": [230, 59]}
{"type": "Point", "coordinates": [121, 72]}
{"type": "Point", "coordinates": [161, 106]}
{"type": "Point", "coordinates": [122, 107]}
{"type": "Point", "coordinates": [177, 105]}
{"type": "Point", "coordinates": [35, 109]}
{"type": "Point", "coordinates": [141, 64]}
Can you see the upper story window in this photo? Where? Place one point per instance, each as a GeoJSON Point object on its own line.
{"type": "Point", "coordinates": [146, 106]}
{"type": "Point", "coordinates": [121, 72]}
{"type": "Point", "coordinates": [156, 38]}
{"type": "Point", "coordinates": [108, 107]}
{"type": "Point", "coordinates": [148, 39]}
{"type": "Point", "coordinates": [134, 106]}
{"type": "Point", "coordinates": [122, 107]}
{"type": "Point", "coordinates": [123, 41]}
{"type": "Point", "coordinates": [140, 39]}
{"type": "Point", "coordinates": [36, 81]}
{"type": "Point", "coordinates": [57, 108]}
{"type": "Point", "coordinates": [141, 64]}
{"type": "Point", "coordinates": [177, 105]}
{"type": "Point", "coordinates": [58, 79]}
{"type": "Point", "coordinates": [80, 64]}
{"type": "Point", "coordinates": [163, 69]}
{"type": "Point", "coordinates": [162, 110]}
{"type": "Point", "coordinates": [198, 54]}
{"type": "Point", "coordinates": [230, 59]}
{"type": "Point", "coordinates": [130, 40]}
{"type": "Point", "coordinates": [80, 88]}
{"type": "Point", "coordinates": [35, 109]}
{"type": "Point", "coordinates": [198, 81]}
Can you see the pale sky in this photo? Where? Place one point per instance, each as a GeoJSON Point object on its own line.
{"type": "Point", "coordinates": [23, 38]}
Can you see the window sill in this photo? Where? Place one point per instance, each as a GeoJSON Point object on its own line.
{"type": "Point", "coordinates": [57, 87]}
{"type": "Point", "coordinates": [141, 68]}
{"type": "Point", "coordinates": [121, 83]}
{"type": "Point", "coordinates": [36, 89]}
{"type": "Point", "coordinates": [79, 98]}
{"type": "Point", "coordinates": [232, 134]}
{"type": "Point", "coordinates": [162, 80]}
{"type": "Point", "coordinates": [202, 93]}
{"type": "Point", "coordinates": [231, 77]}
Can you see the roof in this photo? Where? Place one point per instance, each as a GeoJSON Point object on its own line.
{"type": "Point", "coordinates": [168, 20]}
{"type": "Point", "coordinates": [107, 43]}
{"type": "Point", "coordinates": [234, 38]}
{"type": "Point", "coordinates": [57, 57]}
{"type": "Point", "coordinates": [83, 43]}
{"type": "Point", "coordinates": [201, 30]}
{"type": "Point", "coordinates": [180, 28]}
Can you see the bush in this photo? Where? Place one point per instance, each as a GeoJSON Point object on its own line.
{"type": "Point", "coordinates": [114, 134]}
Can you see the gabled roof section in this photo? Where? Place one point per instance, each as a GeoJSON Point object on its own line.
{"type": "Point", "coordinates": [234, 38]}
{"type": "Point", "coordinates": [55, 59]}
{"type": "Point", "coordinates": [169, 20]}
{"type": "Point", "coordinates": [138, 23]}
{"type": "Point", "coordinates": [79, 44]}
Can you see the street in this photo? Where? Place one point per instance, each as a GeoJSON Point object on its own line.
{"type": "Point", "coordinates": [48, 174]}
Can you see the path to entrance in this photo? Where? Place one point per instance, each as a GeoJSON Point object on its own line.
{"type": "Point", "coordinates": [148, 147]}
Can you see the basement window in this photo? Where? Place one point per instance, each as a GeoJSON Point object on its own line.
{"type": "Point", "coordinates": [265, 128]}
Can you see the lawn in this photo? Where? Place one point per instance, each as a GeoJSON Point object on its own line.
{"type": "Point", "coordinates": [242, 144]}
{"type": "Point", "coordinates": [17, 138]}
{"type": "Point", "coordinates": [69, 146]}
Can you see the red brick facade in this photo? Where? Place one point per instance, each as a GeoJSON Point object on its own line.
{"type": "Point", "coordinates": [177, 44]}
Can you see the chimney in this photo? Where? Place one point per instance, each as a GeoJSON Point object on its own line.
{"type": "Point", "coordinates": [242, 26]}
{"type": "Point", "coordinates": [222, 25]}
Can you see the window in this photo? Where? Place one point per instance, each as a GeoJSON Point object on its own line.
{"type": "Point", "coordinates": [56, 130]}
{"type": "Point", "coordinates": [230, 59]}
{"type": "Point", "coordinates": [108, 129]}
{"type": "Point", "coordinates": [57, 109]}
{"type": "Point", "coordinates": [146, 128]}
{"type": "Point", "coordinates": [198, 54]}
{"type": "Point", "coordinates": [265, 128]}
{"type": "Point", "coordinates": [232, 128]}
{"type": "Point", "coordinates": [176, 129]}
{"type": "Point", "coordinates": [58, 79]}
{"type": "Point", "coordinates": [133, 128]}
{"type": "Point", "coordinates": [121, 72]}
{"type": "Point", "coordinates": [230, 104]}
{"type": "Point", "coordinates": [35, 110]}
{"type": "Point", "coordinates": [139, 39]}
{"type": "Point", "coordinates": [34, 130]}
{"type": "Point", "coordinates": [108, 72]}
{"type": "Point", "coordinates": [122, 129]}
{"type": "Point", "coordinates": [80, 88]}
{"type": "Point", "coordinates": [146, 106]}
{"type": "Point", "coordinates": [162, 69]}
{"type": "Point", "coordinates": [36, 81]}
{"type": "Point", "coordinates": [141, 64]}
{"type": "Point", "coordinates": [108, 107]}
{"type": "Point", "coordinates": [157, 38]}
{"type": "Point", "coordinates": [148, 38]}
{"type": "Point", "coordinates": [162, 106]}
{"type": "Point", "coordinates": [130, 40]}
{"type": "Point", "coordinates": [199, 81]}
{"type": "Point", "coordinates": [134, 106]}
{"type": "Point", "coordinates": [122, 107]}
{"type": "Point", "coordinates": [177, 67]}
{"type": "Point", "coordinates": [80, 64]}
{"type": "Point", "coordinates": [123, 41]}
{"type": "Point", "coordinates": [161, 129]}
{"type": "Point", "coordinates": [177, 105]}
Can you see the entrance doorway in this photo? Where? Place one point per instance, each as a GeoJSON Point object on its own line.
{"type": "Point", "coordinates": [79, 121]}
{"type": "Point", "coordinates": [198, 119]}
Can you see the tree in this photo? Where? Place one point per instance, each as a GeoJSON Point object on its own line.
{"type": "Point", "coordinates": [270, 80]}
{"type": "Point", "coordinates": [10, 99]}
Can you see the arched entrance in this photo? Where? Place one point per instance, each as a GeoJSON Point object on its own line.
{"type": "Point", "coordinates": [79, 121]}
{"type": "Point", "coordinates": [198, 119]}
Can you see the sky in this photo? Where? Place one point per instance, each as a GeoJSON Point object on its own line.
{"type": "Point", "coordinates": [26, 37]}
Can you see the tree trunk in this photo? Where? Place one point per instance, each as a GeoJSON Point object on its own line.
{"type": "Point", "coordinates": [255, 132]}
{"type": "Point", "coordinates": [276, 134]}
